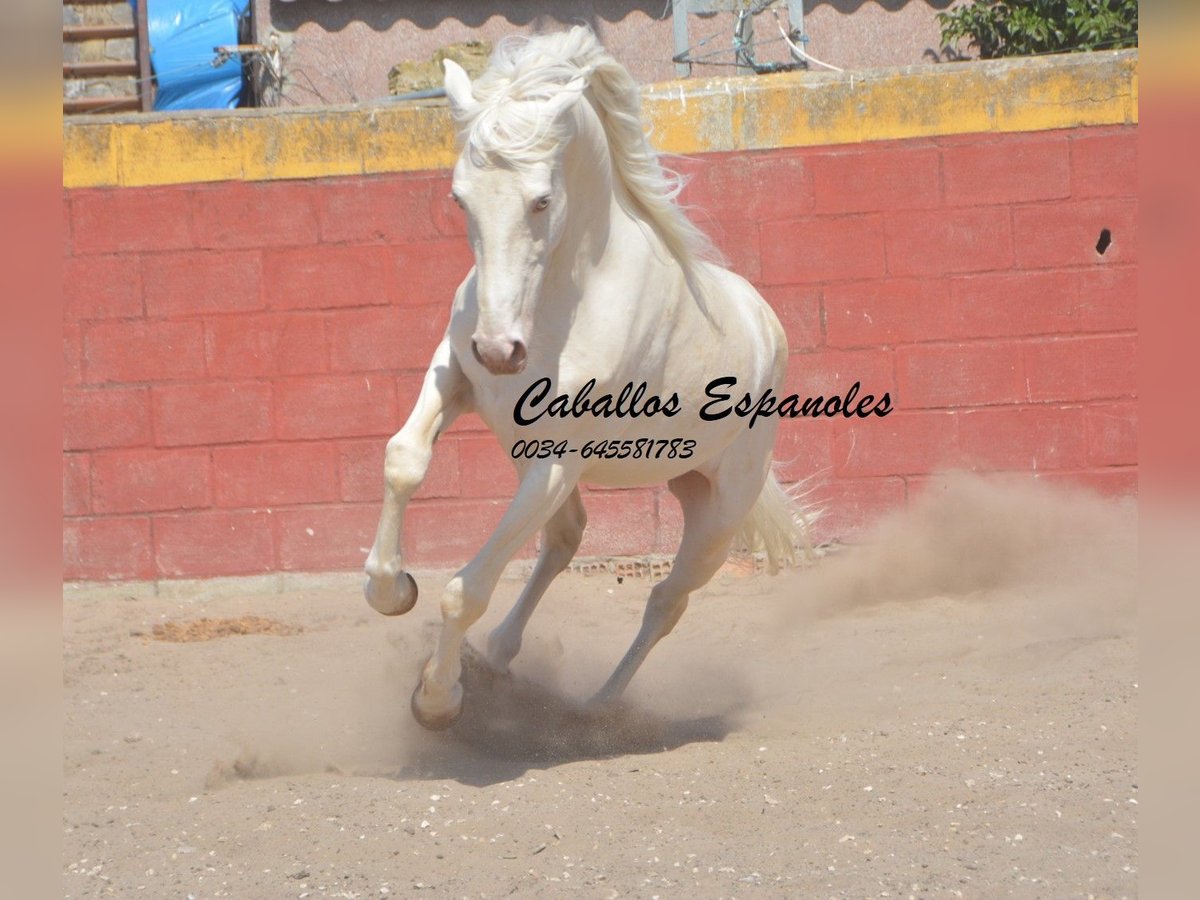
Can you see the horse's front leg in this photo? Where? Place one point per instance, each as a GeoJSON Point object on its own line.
{"type": "Point", "coordinates": [445, 394]}
{"type": "Point", "coordinates": [437, 700]}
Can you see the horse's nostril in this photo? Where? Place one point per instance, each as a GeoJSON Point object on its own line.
{"type": "Point", "coordinates": [500, 356]}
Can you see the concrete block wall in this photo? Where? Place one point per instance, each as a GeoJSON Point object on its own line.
{"type": "Point", "coordinates": [237, 352]}
{"type": "Point", "coordinates": [118, 12]}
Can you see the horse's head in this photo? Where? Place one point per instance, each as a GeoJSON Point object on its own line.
{"type": "Point", "coordinates": [510, 180]}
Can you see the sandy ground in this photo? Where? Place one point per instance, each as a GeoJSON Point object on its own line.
{"type": "Point", "coordinates": [947, 709]}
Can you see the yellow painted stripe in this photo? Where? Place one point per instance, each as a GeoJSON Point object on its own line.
{"type": "Point", "coordinates": [798, 109]}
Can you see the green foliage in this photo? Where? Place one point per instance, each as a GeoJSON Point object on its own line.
{"type": "Point", "coordinates": [1025, 27]}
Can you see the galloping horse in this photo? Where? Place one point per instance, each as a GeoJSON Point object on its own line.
{"type": "Point", "coordinates": [589, 281]}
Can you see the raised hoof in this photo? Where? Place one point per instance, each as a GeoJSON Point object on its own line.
{"type": "Point", "coordinates": [436, 720]}
{"type": "Point", "coordinates": [391, 596]}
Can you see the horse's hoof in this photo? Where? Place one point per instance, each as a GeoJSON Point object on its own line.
{"type": "Point", "coordinates": [391, 596]}
{"type": "Point", "coordinates": [602, 705]}
{"type": "Point", "coordinates": [436, 719]}
{"type": "Point", "coordinates": [499, 658]}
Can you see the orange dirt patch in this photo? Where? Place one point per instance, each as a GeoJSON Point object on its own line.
{"type": "Point", "coordinates": [211, 629]}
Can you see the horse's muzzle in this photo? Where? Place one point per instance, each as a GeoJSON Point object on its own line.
{"type": "Point", "coordinates": [500, 356]}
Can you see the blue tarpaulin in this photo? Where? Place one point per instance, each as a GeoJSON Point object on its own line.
{"type": "Point", "coordinates": [182, 36]}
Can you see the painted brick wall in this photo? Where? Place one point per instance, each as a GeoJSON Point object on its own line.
{"type": "Point", "coordinates": [236, 354]}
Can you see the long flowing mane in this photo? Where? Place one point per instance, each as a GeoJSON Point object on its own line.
{"type": "Point", "coordinates": [525, 72]}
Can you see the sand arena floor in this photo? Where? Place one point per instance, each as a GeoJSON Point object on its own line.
{"type": "Point", "coordinates": [947, 709]}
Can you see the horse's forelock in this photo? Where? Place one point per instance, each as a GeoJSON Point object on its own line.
{"type": "Point", "coordinates": [514, 135]}
{"type": "Point", "coordinates": [524, 73]}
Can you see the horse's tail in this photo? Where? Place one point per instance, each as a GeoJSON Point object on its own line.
{"type": "Point", "coordinates": [779, 524]}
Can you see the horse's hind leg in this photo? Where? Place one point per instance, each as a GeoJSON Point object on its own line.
{"type": "Point", "coordinates": [712, 512]}
{"type": "Point", "coordinates": [560, 540]}
{"type": "Point", "coordinates": [437, 701]}
{"type": "Point", "coordinates": [445, 394]}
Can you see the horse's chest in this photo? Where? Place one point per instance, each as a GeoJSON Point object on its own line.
{"type": "Point", "coordinates": [495, 405]}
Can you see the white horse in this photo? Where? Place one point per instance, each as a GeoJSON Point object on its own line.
{"type": "Point", "coordinates": [586, 270]}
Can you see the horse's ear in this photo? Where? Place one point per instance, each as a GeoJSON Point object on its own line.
{"type": "Point", "coordinates": [458, 88]}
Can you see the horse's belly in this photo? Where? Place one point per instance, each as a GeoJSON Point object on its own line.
{"type": "Point", "coordinates": [638, 473]}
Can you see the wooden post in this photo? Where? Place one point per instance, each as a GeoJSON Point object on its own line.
{"type": "Point", "coordinates": [145, 84]}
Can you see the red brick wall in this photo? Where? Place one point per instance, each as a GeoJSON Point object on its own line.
{"type": "Point", "coordinates": [236, 354]}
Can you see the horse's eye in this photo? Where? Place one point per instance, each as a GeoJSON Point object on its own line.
{"type": "Point", "coordinates": [541, 203]}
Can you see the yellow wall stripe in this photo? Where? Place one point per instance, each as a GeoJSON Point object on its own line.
{"type": "Point", "coordinates": [798, 109]}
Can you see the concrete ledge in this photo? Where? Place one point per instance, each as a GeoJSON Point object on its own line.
{"type": "Point", "coordinates": [796, 109]}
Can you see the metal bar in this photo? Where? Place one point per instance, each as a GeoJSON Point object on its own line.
{"type": "Point", "coordinates": [795, 10]}
{"type": "Point", "coordinates": [252, 82]}
{"type": "Point", "coordinates": [744, 37]}
{"type": "Point", "coordinates": [796, 16]}
{"type": "Point", "coordinates": [427, 94]}
{"type": "Point", "coordinates": [99, 69]}
{"type": "Point", "coordinates": [73, 34]}
{"type": "Point", "coordinates": [232, 49]}
{"type": "Point", "coordinates": [679, 24]}
{"type": "Point", "coordinates": [146, 84]}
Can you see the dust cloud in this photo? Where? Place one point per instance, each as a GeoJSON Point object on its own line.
{"type": "Point", "coordinates": [972, 538]}
{"type": "Point", "coordinates": [1020, 565]}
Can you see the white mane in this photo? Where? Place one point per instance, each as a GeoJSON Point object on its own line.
{"type": "Point", "coordinates": [506, 121]}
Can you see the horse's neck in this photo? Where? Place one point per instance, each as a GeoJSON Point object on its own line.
{"type": "Point", "coordinates": [601, 231]}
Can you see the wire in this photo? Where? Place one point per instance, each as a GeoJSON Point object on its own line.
{"type": "Point", "coordinates": [743, 51]}
{"type": "Point", "coordinates": [799, 52]}
{"type": "Point", "coordinates": [121, 101]}
{"type": "Point", "coordinates": [686, 56]}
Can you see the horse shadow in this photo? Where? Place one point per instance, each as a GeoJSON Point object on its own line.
{"type": "Point", "coordinates": [510, 726]}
